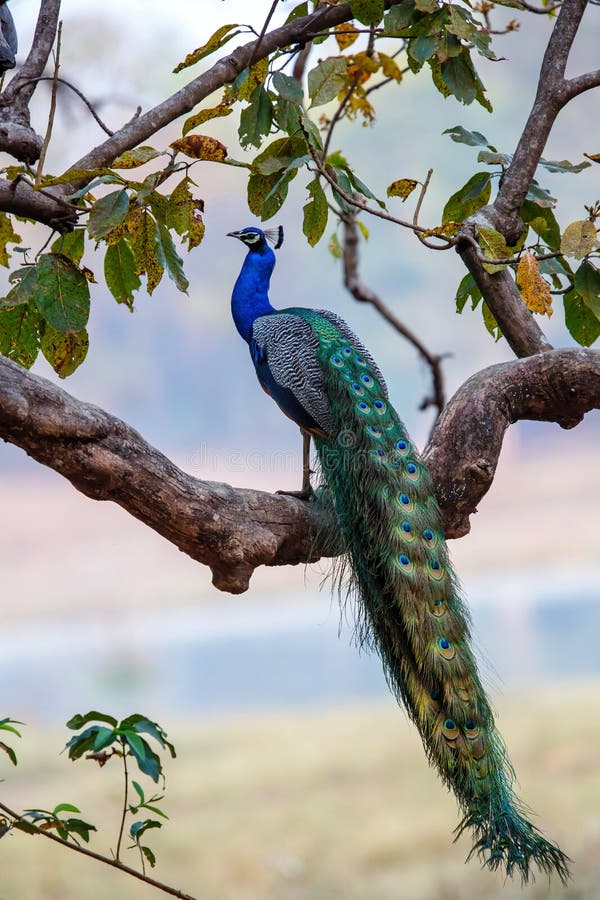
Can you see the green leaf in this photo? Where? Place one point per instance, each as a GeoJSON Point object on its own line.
{"type": "Point", "coordinates": [540, 195]}
{"type": "Point", "coordinates": [471, 197]}
{"type": "Point", "coordinates": [458, 76]}
{"type": "Point", "coordinates": [71, 244]}
{"type": "Point", "coordinates": [467, 289]}
{"type": "Point", "coordinates": [287, 87]}
{"type": "Point", "coordinates": [19, 339]}
{"type": "Point", "coordinates": [280, 154]}
{"type": "Point", "coordinates": [217, 40]}
{"type": "Point", "coordinates": [24, 288]}
{"type": "Point", "coordinates": [256, 119]}
{"type": "Point", "coordinates": [9, 752]}
{"type": "Point", "coordinates": [471, 138]}
{"type": "Point", "coordinates": [93, 716]}
{"type": "Point", "coordinates": [298, 12]}
{"type": "Point", "coordinates": [79, 827]}
{"type": "Point", "coordinates": [119, 272]}
{"type": "Point", "coordinates": [327, 80]}
{"type": "Point", "coordinates": [267, 193]}
{"type": "Point", "coordinates": [493, 245]}
{"type": "Point", "coordinates": [493, 158]}
{"type": "Point", "coordinates": [587, 283]}
{"type": "Point", "coordinates": [173, 262]}
{"type": "Point", "coordinates": [578, 239]}
{"type": "Point", "coordinates": [148, 761]}
{"type": "Point", "coordinates": [62, 293]}
{"type": "Point", "coordinates": [64, 352]}
{"type": "Point", "coordinates": [107, 213]}
{"type": "Point", "coordinates": [183, 213]}
{"type": "Point", "coordinates": [138, 790]}
{"type": "Point", "coordinates": [583, 325]}
{"type": "Point", "coordinates": [490, 322]}
{"type": "Point", "coordinates": [64, 807]}
{"type": "Point", "coordinates": [315, 213]}
{"type": "Point", "coordinates": [398, 19]}
{"type": "Point", "coordinates": [369, 12]}
{"type": "Point", "coordinates": [563, 167]}
{"type": "Point", "coordinates": [131, 159]}
{"type": "Point", "coordinates": [147, 251]}
{"type": "Point", "coordinates": [422, 48]}
{"type": "Point", "coordinates": [149, 856]}
{"type": "Point", "coordinates": [543, 222]}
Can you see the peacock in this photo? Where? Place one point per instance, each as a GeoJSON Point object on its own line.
{"type": "Point", "coordinates": [324, 379]}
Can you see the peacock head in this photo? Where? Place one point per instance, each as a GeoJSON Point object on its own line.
{"type": "Point", "coordinates": [256, 239]}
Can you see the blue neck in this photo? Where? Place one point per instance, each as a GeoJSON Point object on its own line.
{"type": "Point", "coordinates": [250, 298]}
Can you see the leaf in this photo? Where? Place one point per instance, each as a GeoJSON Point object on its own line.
{"type": "Point", "coordinates": [119, 272]}
{"type": "Point", "coordinates": [543, 222]}
{"type": "Point", "coordinates": [369, 12]}
{"type": "Point", "coordinates": [200, 146]}
{"type": "Point", "coordinates": [494, 246]}
{"type": "Point", "coordinates": [287, 87]}
{"type": "Point", "coordinates": [490, 322]}
{"type": "Point", "coordinates": [79, 720]}
{"type": "Point", "coordinates": [493, 158]}
{"type": "Point", "coordinates": [535, 292]}
{"type": "Point", "coordinates": [19, 339]}
{"type": "Point", "coordinates": [183, 213]}
{"type": "Point", "coordinates": [62, 293]}
{"type": "Point", "coordinates": [587, 284]}
{"type": "Point", "coordinates": [345, 34]}
{"type": "Point", "coordinates": [139, 791]}
{"type": "Point", "coordinates": [148, 762]}
{"type": "Point", "coordinates": [256, 119]}
{"type": "Point", "coordinates": [9, 752]}
{"type": "Point", "coordinates": [398, 18]}
{"type": "Point", "coordinates": [149, 856]}
{"type": "Point", "coordinates": [583, 325]}
{"type": "Point", "coordinates": [218, 39]}
{"type": "Point", "coordinates": [64, 352]}
{"type": "Point", "coordinates": [595, 157]}
{"type": "Point", "coordinates": [22, 292]}
{"type": "Point", "coordinates": [471, 197]}
{"type": "Point", "coordinates": [540, 195]}
{"type": "Point", "coordinates": [467, 289]}
{"type": "Point", "coordinates": [579, 238]}
{"type": "Point", "coordinates": [173, 262]}
{"type": "Point", "coordinates": [248, 80]}
{"type": "Point", "coordinates": [199, 118]}
{"type": "Point", "coordinates": [334, 247]}
{"type": "Point", "coordinates": [402, 188]}
{"type": "Point", "coordinates": [458, 76]}
{"type": "Point", "coordinates": [7, 236]}
{"type": "Point", "coordinates": [107, 213]}
{"type": "Point", "coordinates": [471, 138]}
{"type": "Point", "coordinates": [327, 80]}
{"type": "Point", "coordinates": [147, 251]}
{"type": "Point", "coordinates": [71, 244]}
{"type": "Point", "coordinates": [315, 213]}
{"type": "Point", "coordinates": [64, 807]}
{"type": "Point", "coordinates": [280, 154]}
{"type": "Point", "coordinates": [131, 159]}
{"type": "Point", "coordinates": [564, 166]}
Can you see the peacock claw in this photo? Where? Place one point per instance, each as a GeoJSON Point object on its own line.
{"type": "Point", "coordinates": [304, 494]}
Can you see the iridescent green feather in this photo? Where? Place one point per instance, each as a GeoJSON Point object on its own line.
{"type": "Point", "coordinates": [411, 607]}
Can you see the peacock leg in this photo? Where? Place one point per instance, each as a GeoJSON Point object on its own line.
{"type": "Point", "coordinates": [306, 492]}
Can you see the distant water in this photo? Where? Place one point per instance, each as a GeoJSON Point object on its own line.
{"type": "Point", "coordinates": [293, 655]}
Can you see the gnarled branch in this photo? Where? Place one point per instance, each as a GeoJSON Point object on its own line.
{"type": "Point", "coordinates": [233, 531]}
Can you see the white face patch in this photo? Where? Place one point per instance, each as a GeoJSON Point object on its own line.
{"type": "Point", "coordinates": [251, 237]}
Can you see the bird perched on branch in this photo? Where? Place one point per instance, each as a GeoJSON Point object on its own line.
{"type": "Point", "coordinates": [323, 378]}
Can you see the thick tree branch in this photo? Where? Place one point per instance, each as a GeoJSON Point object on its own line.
{"type": "Point", "coordinates": [551, 96]}
{"type": "Point", "coordinates": [16, 135]}
{"type": "Point", "coordinates": [231, 531]}
{"type": "Point", "coordinates": [235, 530]}
{"type": "Point", "coordinates": [558, 386]}
{"type": "Point", "coordinates": [524, 335]}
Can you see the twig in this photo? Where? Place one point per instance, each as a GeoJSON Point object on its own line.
{"type": "Point", "coordinates": [81, 96]}
{"type": "Point", "coordinates": [124, 814]}
{"type": "Point", "coordinates": [51, 114]}
{"type": "Point", "coordinates": [364, 294]}
{"type": "Point", "coordinates": [114, 863]}
{"type": "Point", "coordinates": [263, 31]}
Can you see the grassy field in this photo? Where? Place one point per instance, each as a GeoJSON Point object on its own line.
{"type": "Point", "coordinates": [334, 805]}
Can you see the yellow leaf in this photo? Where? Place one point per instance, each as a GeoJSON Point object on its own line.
{"type": "Point", "coordinates": [345, 35]}
{"type": "Point", "coordinates": [595, 157]}
{"type": "Point", "coordinates": [535, 292]}
{"type": "Point", "coordinates": [579, 239]}
{"type": "Point", "coordinates": [257, 75]}
{"type": "Point", "coordinates": [402, 188]}
{"type": "Point", "coordinates": [201, 146]}
{"type": "Point", "coordinates": [223, 109]}
{"type": "Point", "coordinates": [390, 67]}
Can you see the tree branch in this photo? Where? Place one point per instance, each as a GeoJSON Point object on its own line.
{"type": "Point", "coordinates": [364, 294]}
{"type": "Point", "coordinates": [551, 96]}
{"type": "Point", "coordinates": [233, 531]}
{"type": "Point", "coordinates": [558, 386]}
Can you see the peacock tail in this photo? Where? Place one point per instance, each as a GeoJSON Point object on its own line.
{"type": "Point", "coordinates": [322, 377]}
{"type": "Point", "coordinates": [414, 615]}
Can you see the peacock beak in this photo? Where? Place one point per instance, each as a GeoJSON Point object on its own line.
{"type": "Point", "coordinates": [235, 234]}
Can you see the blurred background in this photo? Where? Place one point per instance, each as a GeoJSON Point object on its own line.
{"type": "Point", "coordinates": [298, 777]}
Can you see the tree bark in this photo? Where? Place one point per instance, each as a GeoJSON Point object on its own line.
{"type": "Point", "coordinates": [233, 531]}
